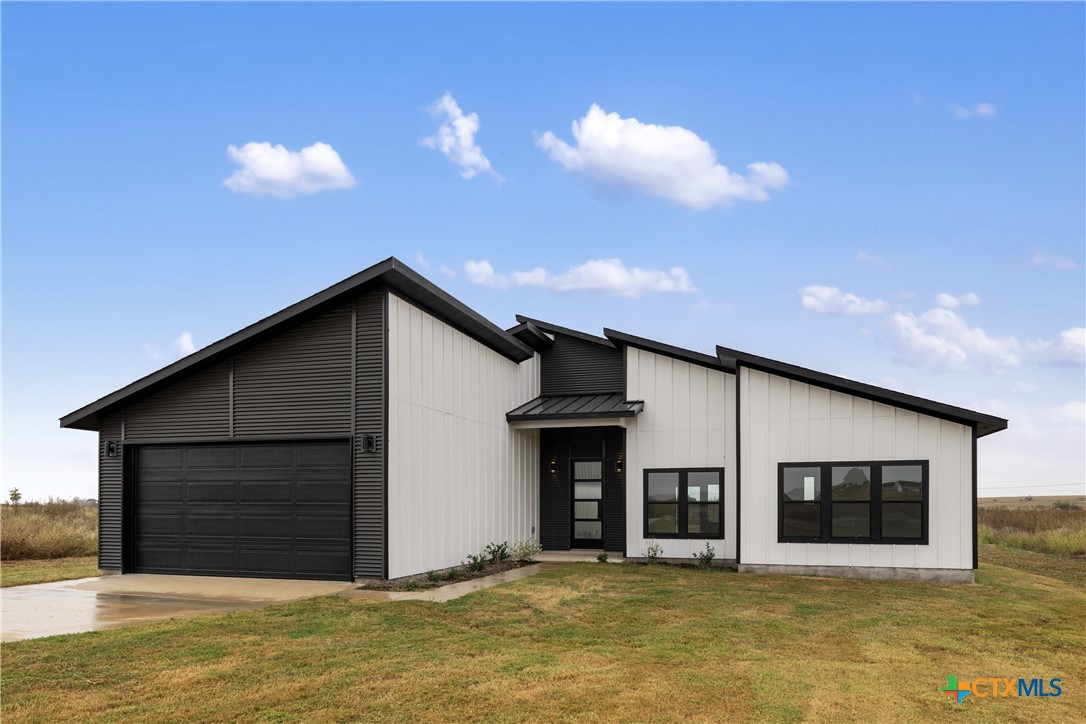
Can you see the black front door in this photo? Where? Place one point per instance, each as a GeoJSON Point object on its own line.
{"type": "Point", "coordinates": [587, 487]}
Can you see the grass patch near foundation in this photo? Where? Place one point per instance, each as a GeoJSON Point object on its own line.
{"type": "Point", "coordinates": [584, 641]}
{"type": "Point", "coordinates": [21, 573]}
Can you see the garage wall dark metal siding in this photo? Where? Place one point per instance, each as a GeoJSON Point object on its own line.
{"type": "Point", "coordinates": [371, 330]}
{"type": "Point", "coordinates": [110, 495]}
{"type": "Point", "coordinates": [560, 445]}
{"type": "Point", "coordinates": [576, 367]}
{"type": "Point", "coordinates": [197, 406]}
{"type": "Point", "coordinates": [298, 382]}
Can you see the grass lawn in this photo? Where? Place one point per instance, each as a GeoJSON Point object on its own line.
{"type": "Point", "coordinates": [19, 573]}
{"type": "Point", "coordinates": [585, 641]}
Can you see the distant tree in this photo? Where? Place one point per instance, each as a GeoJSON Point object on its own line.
{"type": "Point", "coordinates": [15, 496]}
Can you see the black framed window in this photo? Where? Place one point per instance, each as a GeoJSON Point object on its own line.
{"type": "Point", "coordinates": [684, 503]}
{"type": "Point", "coordinates": [853, 502]}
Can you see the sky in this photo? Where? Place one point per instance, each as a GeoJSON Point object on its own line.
{"type": "Point", "coordinates": [892, 193]}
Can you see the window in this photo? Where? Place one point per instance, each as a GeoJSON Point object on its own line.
{"type": "Point", "coordinates": [684, 503]}
{"type": "Point", "coordinates": [853, 502]}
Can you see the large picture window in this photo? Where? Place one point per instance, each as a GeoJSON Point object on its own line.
{"type": "Point", "coordinates": [853, 502]}
{"type": "Point", "coordinates": [684, 503]}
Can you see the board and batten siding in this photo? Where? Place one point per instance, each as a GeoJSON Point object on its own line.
{"type": "Point", "coordinates": [458, 476]}
{"type": "Point", "coordinates": [785, 420]}
{"type": "Point", "coordinates": [299, 382]}
{"type": "Point", "coordinates": [688, 422]}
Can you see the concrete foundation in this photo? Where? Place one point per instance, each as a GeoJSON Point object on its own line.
{"type": "Point", "coordinates": [934, 575]}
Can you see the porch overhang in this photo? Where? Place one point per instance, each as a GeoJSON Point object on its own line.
{"type": "Point", "coordinates": [574, 410]}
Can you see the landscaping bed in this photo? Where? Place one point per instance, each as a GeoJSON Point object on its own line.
{"type": "Point", "coordinates": [437, 579]}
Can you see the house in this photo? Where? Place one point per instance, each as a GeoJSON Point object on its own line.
{"type": "Point", "coordinates": [381, 428]}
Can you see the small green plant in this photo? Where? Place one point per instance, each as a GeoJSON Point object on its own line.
{"type": "Point", "coordinates": [453, 573]}
{"type": "Point", "coordinates": [601, 558]}
{"type": "Point", "coordinates": [432, 576]}
{"type": "Point", "coordinates": [705, 557]}
{"type": "Point", "coordinates": [654, 551]}
{"type": "Point", "coordinates": [497, 552]}
{"type": "Point", "coordinates": [1062, 505]}
{"type": "Point", "coordinates": [526, 551]}
{"type": "Point", "coordinates": [476, 563]}
{"type": "Point", "coordinates": [414, 586]}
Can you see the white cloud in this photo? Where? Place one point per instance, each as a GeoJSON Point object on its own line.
{"type": "Point", "coordinates": [1073, 412]}
{"type": "Point", "coordinates": [184, 345]}
{"type": "Point", "coordinates": [940, 339]}
{"type": "Point", "coordinates": [447, 271]}
{"type": "Point", "coordinates": [670, 162]}
{"type": "Point", "coordinates": [1052, 261]}
{"type": "Point", "coordinates": [268, 170]}
{"type": "Point", "coordinates": [455, 138]}
{"type": "Point", "coordinates": [481, 272]}
{"type": "Point", "coordinates": [980, 110]}
{"type": "Point", "coordinates": [831, 300]}
{"type": "Point", "coordinates": [703, 306]}
{"type": "Point", "coordinates": [421, 260]}
{"type": "Point", "coordinates": [603, 276]}
{"type": "Point", "coordinates": [1069, 349]}
{"type": "Point", "coordinates": [872, 260]}
{"type": "Point", "coordinates": [949, 301]}
{"type": "Point", "coordinates": [151, 352]}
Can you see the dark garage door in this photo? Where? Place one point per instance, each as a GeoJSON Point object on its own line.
{"type": "Point", "coordinates": [270, 510]}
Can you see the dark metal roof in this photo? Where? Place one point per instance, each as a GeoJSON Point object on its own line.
{"type": "Point", "coordinates": [575, 407]}
{"type": "Point", "coordinates": [985, 424]}
{"type": "Point", "coordinates": [686, 355]}
{"type": "Point", "coordinates": [531, 335]}
{"type": "Point", "coordinates": [391, 272]}
{"type": "Point", "coordinates": [548, 327]}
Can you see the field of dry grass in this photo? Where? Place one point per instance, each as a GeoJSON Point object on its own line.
{"type": "Point", "coordinates": [1045, 529]}
{"type": "Point", "coordinates": [53, 529]}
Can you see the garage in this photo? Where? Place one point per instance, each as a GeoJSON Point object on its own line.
{"type": "Point", "coordinates": [269, 509]}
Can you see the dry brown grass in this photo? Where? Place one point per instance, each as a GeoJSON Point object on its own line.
{"type": "Point", "coordinates": [1060, 531]}
{"type": "Point", "coordinates": [54, 529]}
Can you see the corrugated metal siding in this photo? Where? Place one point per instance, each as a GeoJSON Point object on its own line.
{"type": "Point", "coordinates": [197, 406]}
{"type": "Point", "coordinates": [575, 367]}
{"type": "Point", "coordinates": [369, 468]}
{"type": "Point", "coordinates": [110, 495]}
{"type": "Point", "coordinates": [560, 445]}
{"type": "Point", "coordinates": [789, 421]}
{"type": "Point", "coordinates": [298, 382]}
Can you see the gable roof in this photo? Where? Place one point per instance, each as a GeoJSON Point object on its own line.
{"type": "Point", "coordinates": [985, 424]}
{"type": "Point", "coordinates": [391, 272]}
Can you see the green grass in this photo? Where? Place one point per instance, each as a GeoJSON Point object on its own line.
{"type": "Point", "coordinates": [20, 573]}
{"type": "Point", "coordinates": [588, 642]}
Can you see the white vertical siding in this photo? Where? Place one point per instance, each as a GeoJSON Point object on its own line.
{"type": "Point", "coordinates": [788, 421]}
{"type": "Point", "coordinates": [688, 422]}
{"type": "Point", "coordinates": [458, 476]}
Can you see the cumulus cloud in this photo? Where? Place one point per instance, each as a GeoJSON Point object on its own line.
{"type": "Point", "coordinates": [669, 162]}
{"type": "Point", "coordinates": [949, 301]}
{"type": "Point", "coordinates": [1052, 261]}
{"type": "Point", "coordinates": [184, 345]}
{"type": "Point", "coordinates": [603, 276]}
{"type": "Point", "coordinates": [455, 138]}
{"type": "Point", "coordinates": [267, 170]}
{"type": "Point", "coordinates": [980, 110]}
{"type": "Point", "coordinates": [831, 300]}
{"type": "Point", "coordinates": [941, 339]}
{"type": "Point", "coordinates": [1069, 349]}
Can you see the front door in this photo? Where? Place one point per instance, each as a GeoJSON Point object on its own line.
{"type": "Point", "coordinates": [587, 503]}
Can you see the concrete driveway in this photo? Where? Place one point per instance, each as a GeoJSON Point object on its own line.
{"type": "Point", "coordinates": [96, 604]}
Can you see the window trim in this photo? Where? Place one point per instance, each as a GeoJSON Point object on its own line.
{"type": "Point", "coordinates": [825, 502]}
{"type": "Point", "coordinates": [683, 503]}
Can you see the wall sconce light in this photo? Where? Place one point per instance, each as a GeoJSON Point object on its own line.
{"type": "Point", "coordinates": [369, 443]}
{"type": "Point", "coordinates": [618, 466]}
{"type": "Point", "coordinates": [553, 467]}
{"type": "Point", "coordinates": [113, 449]}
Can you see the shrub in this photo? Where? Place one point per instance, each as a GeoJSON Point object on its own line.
{"type": "Point", "coordinates": [497, 552]}
{"type": "Point", "coordinates": [453, 573]}
{"type": "Point", "coordinates": [1063, 505]}
{"type": "Point", "coordinates": [654, 551]}
{"type": "Point", "coordinates": [705, 557]}
{"type": "Point", "coordinates": [53, 529]}
{"type": "Point", "coordinates": [526, 550]}
{"type": "Point", "coordinates": [432, 576]}
{"type": "Point", "coordinates": [601, 558]}
{"type": "Point", "coordinates": [476, 563]}
{"type": "Point", "coordinates": [1056, 530]}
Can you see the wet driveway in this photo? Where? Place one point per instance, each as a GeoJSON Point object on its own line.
{"type": "Point", "coordinates": [96, 604]}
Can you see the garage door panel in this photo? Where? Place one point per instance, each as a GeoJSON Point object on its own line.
{"type": "Point", "coordinates": [251, 510]}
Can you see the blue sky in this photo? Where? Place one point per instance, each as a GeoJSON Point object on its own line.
{"type": "Point", "coordinates": [908, 151]}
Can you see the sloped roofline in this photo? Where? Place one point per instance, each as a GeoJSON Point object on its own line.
{"type": "Point", "coordinates": [668, 350]}
{"type": "Point", "coordinates": [548, 327]}
{"type": "Point", "coordinates": [392, 272]}
{"type": "Point", "coordinates": [984, 424]}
